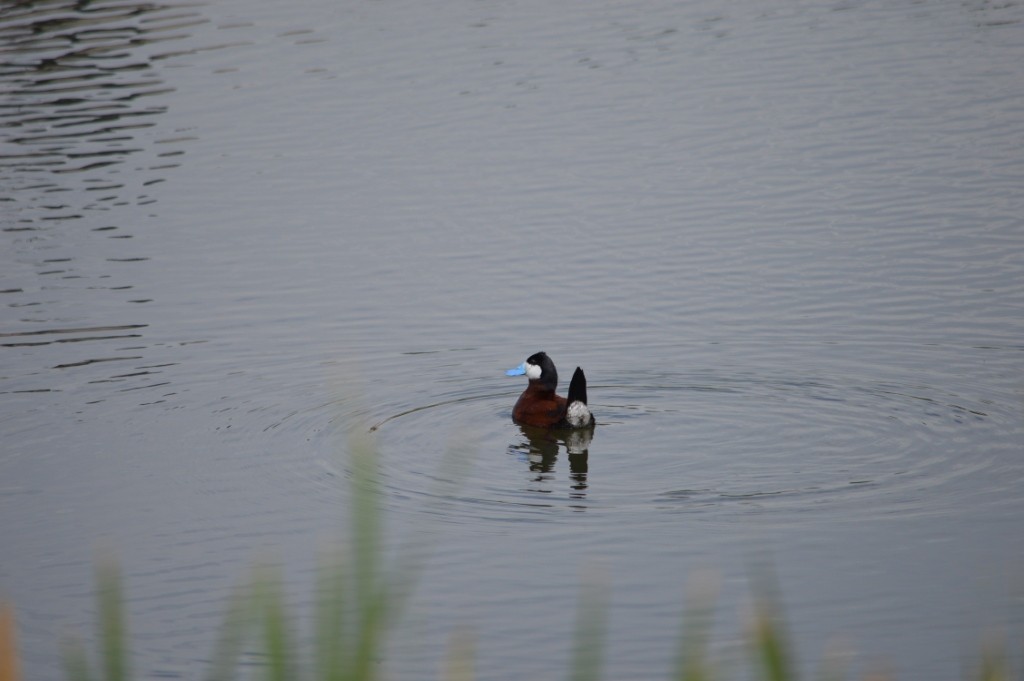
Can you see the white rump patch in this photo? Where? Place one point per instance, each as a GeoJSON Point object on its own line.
{"type": "Point", "coordinates": [578, 415]}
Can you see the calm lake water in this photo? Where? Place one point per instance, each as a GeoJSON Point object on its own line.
{"type": "Point", "coordinates": [785, 240]}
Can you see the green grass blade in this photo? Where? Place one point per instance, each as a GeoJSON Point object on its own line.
{"type": "Point", "coordinates": [369, 586]}
{"type": "Point", "coordinates": [276, 644]}
{"type": "Point", "coordinates": [366, 525]}
{"type": "Point", "coordinates": [591, 629]}
{"type": "Point", "coordinates": [331, 629]}
{"type": "Point", "coordinates": [691, 653]}
{"type": "Point", "coordinates": [373, 618]}
{"type": "Point", "coordinates": [459, 665]}
{"type": "Point", "coordinates": [112, 620]}
{"type": "Point", "coordinates": [75, 661]}
{"type": "Point", "coordinates": [993, 665]}
{"type": "Point", "coordinates": [770, 647]}
{"type": "Point", "coordinates": [234, 631]}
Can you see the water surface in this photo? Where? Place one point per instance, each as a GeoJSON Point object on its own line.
{"type": "Point", "coordinates": [784, 242]}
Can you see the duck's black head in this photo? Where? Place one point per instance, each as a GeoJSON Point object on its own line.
{"type": "Point", "coordinates": [539, 368]}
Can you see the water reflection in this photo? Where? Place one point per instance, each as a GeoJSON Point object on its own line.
{"type": "Point", "coordinates": [540, 447]}
{"type": "Point", "coordinates": [82, 98]}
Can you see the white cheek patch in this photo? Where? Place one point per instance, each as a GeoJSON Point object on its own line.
{"type": "Point", "coordinates": [532, 371]}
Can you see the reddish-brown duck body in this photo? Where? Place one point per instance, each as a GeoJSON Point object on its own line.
{"type": "Point", "coordinates": [540, 407]}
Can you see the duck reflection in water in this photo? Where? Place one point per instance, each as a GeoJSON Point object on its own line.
{"type": "Point", "coordinates": [540, 448]}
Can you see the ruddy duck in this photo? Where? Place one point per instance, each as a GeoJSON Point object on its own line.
{"type": "Point", "coordinates": [539, 405]}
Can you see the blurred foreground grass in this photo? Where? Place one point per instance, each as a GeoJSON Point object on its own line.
{"type": "Point", "coordinates": [359, 600]}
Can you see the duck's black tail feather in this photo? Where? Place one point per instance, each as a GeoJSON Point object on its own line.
{"type": "Point", "coordinates": [577, 413]}
{"type": "Point", "coordinates": [577, 388]}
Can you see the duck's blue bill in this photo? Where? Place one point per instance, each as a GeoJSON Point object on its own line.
{"type": "Point", "coordinates": [518, 371]}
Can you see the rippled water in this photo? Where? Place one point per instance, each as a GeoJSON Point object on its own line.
{"type": "Point", "coordinates": [784, 242]}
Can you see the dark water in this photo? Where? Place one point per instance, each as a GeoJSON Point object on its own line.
{"type": "Point", "coordinates": [785, 242]}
